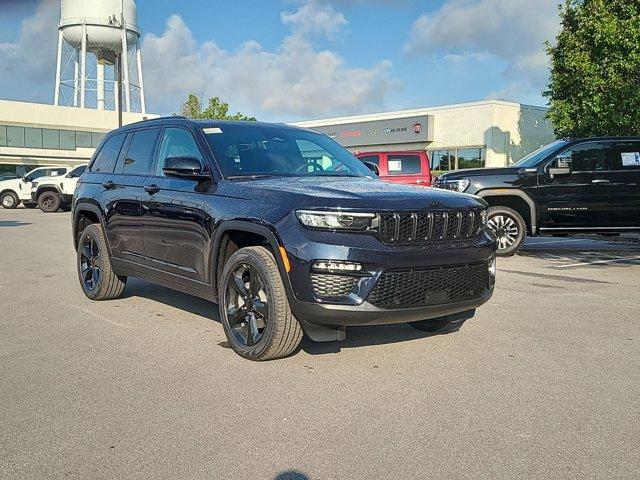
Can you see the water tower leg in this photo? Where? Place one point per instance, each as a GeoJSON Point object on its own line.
{"type": "Point", "coordinates": [56, 95]}
{"type": "Point", "coordinates": [100, 86]}
{"type": "Point", "coordinates": [76, 77]}
{"type": "Point", "coordinates": [83, 66]}
{"type": "Point", "coordinates": [125, 71]}
{"type": "Point", "coordinates": [143, 108]}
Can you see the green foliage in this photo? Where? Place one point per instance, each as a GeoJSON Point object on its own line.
{"type": "Point", "coordinates": [216, 109]}
{"type": "Point", "coordinates": [595, 69]}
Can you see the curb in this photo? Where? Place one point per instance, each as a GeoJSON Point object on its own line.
{"type": "Point", "coordinates": [634, 240]}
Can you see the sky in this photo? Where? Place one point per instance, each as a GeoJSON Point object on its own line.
{"type": "Point", "coordinates": [284, 60]}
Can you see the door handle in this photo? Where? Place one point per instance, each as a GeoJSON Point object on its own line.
{"type": "Point", "coordinates": [419, 181]}
{"type": "Point", "coordinates": [151, 189]}
{"type": "Point", "coordinates": [109, 185]}
{"type": "Point", "coordinates": [599, 180]}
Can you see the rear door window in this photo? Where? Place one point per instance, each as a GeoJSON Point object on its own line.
{"type": "Point", "coordinates": [404, 164]}
{"type": "Point", "coordinates": [140, 153]}
{"type": "Point", "coordinates": [108, 155]}
{"type": "Point", "coordinates": [625, 155]}
{"type": "Point", "coordinates": [54, 172]}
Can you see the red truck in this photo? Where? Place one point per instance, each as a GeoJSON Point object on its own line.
{"type": "Point", "coordinates": [411, 168]}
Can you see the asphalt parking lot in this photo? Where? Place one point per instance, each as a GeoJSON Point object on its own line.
{"type": "Point", "coordinates": [543, 383]}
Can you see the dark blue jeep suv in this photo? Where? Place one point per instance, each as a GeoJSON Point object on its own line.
{"type": "Point", "coordinates": [286, 230]}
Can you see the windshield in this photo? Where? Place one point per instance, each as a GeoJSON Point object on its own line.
{"type": "Point", "coordinates": [535, 157]}
{"type": "Point", "coordinates": [257, 151]}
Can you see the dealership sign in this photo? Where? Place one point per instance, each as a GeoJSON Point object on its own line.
{"type": "Point", "coordinates": [381, 132]}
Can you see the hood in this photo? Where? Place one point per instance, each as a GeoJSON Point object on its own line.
{"type": "Point", "coordinates": [356, 193]}
{"type": "Point", "coordinates": [479, 172]}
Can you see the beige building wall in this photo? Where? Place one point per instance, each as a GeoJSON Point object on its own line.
{"type": "Point", "coordinates": [507, 130]}
{"type": "Point", "coordinates": [36, 115]}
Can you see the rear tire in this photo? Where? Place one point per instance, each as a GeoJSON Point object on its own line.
{"type": "Point", "coordinates": [254, 308]}
{"type": "Point", "coordinates": [97, 279]}
{"type": "Point", "coordinates": [509, 228]}
{"type": "Point", "coordinates": [9, 200]}
{"type": "Point", "coordinates": [49, 202]}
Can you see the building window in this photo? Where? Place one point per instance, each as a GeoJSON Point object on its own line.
{"type": "Point", "coordinates": [83, 139]}
{"type": "Point", "coordinates": [67, 140]}
{"type": "Point", "coordinates": [33, 137]}
{"type": "Point", "coordinates": [96, 138]}
{"type": "Point", "coordinates": [51, 139]}
{"type": "Point", "coordinates": [15, 136]}
{"type": "Point", "coordinates": [3, 136]}
{"type": "Point", "coordinates": [456, 158]}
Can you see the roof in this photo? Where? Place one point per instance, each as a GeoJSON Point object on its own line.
{"type": "Point", "coordinates": [175, 119]}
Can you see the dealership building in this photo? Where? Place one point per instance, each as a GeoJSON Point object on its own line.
{"type": "Point", "coordinates": [489, 133]}
{"type": "Point", "coordinates": [34, 134]}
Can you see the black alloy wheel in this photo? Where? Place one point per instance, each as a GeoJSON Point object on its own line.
{"type": "Point", "coordinates": [90, 263]}
{"type": "Point", "coordinates": [247, 305]}
{"type": "Point", "coordinates": [254, 308]}
{"type": "Point", "coordinates": [49, 202]}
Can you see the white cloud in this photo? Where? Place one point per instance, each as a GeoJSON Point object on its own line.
{"type": "Point", "coordinates": [28, 63]}
{"type": "Point", "coordinates": [510, 30]}
{"type": "Point", "coordinates": [294, 81]}
{"type": "Point", "coordinates": [315, 17]}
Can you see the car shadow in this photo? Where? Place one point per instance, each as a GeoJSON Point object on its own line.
{"type": "Point", "coordinates": [356, 336]}
{"type": "Point", "coordinates": [171, 298]}
{"type": "Point", "coordinates": [13, 223]}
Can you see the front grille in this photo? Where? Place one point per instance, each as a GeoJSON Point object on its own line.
{"type": "Point", "coordinates": [326, 285]}
{"type": "Point", "coordinates": [414, 228]}
{"type": "Point", "coordinates": [419, 288]}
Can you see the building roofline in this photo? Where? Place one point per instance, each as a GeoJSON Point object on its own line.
{"type": "Point", "coordinates": [409, 112]}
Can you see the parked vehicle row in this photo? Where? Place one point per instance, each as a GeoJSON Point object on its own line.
{"type": "Point", "coordinates": [49, 188]}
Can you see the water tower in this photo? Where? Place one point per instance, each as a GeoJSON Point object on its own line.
{"type": "Point", "coordinates": [92, 34]}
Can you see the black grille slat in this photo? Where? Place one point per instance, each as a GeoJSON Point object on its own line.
{"type": "Point", "coordinates": [419, 288]}
{"type": "Point", "coordinates": [326, 285]}
{"type": "Point", "coordinates": [415, 228]}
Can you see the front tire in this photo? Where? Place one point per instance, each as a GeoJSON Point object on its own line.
{"type": "Point", "coordinates": [49, 202]}
{"type": "Point", "coordinates": [509, 228]}
{"type": "Point", "coordinates": [9, 200]}
{"type": "Point", "coordinates": [97, 279]}
{"type": "Point", "coordinates": [254, 308]}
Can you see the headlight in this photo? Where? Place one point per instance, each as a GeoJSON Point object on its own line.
{"type": "Point", "coordinates": [335, 220]}
{"type": "Point", "coordinates": [455, 185]}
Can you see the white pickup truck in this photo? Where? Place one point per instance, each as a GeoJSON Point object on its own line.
{"type": "Point", "coordinates": [54, 193]}
{"type": "Point", "coordinates": [18, 190]}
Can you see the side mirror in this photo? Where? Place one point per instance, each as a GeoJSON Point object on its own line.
{"type": "Point", "coordinates": [25, 179]}
{"type": "Point", "coordinates": [188, 168]}
{"type": "Point", "coordinates": [563, 166]}
{"type": "Point", "coordinates": [373, 167]}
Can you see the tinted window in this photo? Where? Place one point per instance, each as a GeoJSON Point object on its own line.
{"type": "Point", "coordinates": [370, 158]}
{"type": "Point", "coordinates": [67, 140]}
{"type": "Point", "coordinates": [76, 172]}
{"type": "Point", "coordinates": [107, 157]}
{"type": "Point", "coordinates": [140, 154]}
{"type": "Point", "coordinates": [15, 137]}
{"type": "Point", "coordinates": [3, 136]}
{"type": "Point", "coordinates": [403, 164]}
{"type": "Point", "coordinates": [55, 172]}
{"type": "Point", "coordinates": [51, 139]}
{"type": "Point", "coordinates": [33, 137]}
{"type": "Point", "coordinates": [588, 157]}
{"type": "Point", "coordinates": [96, 138]}
{"type": "Point", "coordinates": [625, 155]}
{"type": "Point", "coordinates": [83, 139]}
{"type": "Point", "coordinates": [176, 142]}
{"type": "Point", "coordinates": [41, 172]}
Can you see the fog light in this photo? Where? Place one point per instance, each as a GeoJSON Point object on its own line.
{"type": "Point", "coordinates": [492, 271]}
{"type": "Point", "coordinates": [336, 267]}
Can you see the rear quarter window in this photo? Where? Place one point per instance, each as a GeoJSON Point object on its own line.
{"type": "Point", "coordinates": [107, 156]}
{"type": "Point", "coordinates": [404, 164]}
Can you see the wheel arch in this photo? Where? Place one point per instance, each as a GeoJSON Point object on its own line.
{"type": "Point", "coordinates": [48, 188]}
{"type": "Point", "coordinates": [516, 199]}
{"type": "Point", "coordinates": [235, 234]}
{"type": "Point", "coordinates": [85, 214]}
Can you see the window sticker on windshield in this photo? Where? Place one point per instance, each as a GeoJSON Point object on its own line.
{"type": "Point", "coordinates": [630, 159]}
{"type": "Point", "coordinates": [395, 165]}
{"type": "Point", "coordinates": [209, 130]}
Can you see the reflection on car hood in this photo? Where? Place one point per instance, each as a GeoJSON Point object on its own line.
{"type": "Point", "coordinates": [358, 192]}
{"type": "Point", "coordinates": [479, 172]}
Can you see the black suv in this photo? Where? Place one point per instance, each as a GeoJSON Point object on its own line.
{"type": "Point", "coordinates": [282, 227]}
{"type": "Point", "coordinates": [569, 186]}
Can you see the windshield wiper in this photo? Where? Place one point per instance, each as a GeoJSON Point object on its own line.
{"type": "Point", "coordinates": [249, 177]}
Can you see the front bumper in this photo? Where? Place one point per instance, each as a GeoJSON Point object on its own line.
{"type": "Point", "coordinates": [305, 246]}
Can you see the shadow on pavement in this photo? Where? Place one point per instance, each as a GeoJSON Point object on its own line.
{"type": "Point", "coordinates": [172, 298]}
{"type": "Point", "coordinates": [13, 223]}
{"type": "Point", "coordinates": [291, 475]}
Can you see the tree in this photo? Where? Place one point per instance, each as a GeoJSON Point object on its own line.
{"type": "Point", "coordinates": [595, 69]}
{"type": "Point", "coordinates": [216, 109]}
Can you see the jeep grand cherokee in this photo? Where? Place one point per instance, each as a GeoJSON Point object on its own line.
{"type": "Point", "coordinates": [282, 227]}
